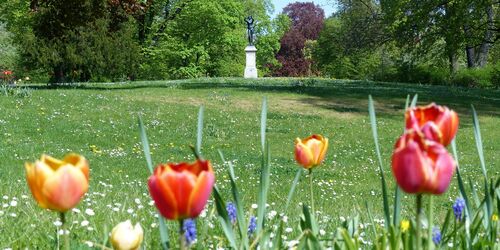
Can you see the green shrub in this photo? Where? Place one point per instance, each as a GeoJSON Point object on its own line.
{"type": "Point", "coordinates": [477, 77]}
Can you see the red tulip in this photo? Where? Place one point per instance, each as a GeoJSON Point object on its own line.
{"type": "Point", "coordinates": [420, 165]}
{"type": "Point", "coordinates": [310, 152]}
{"type": "Point", "coordinates": [438, 123]}
{"type": "Point", "coordinates": [181, 190]}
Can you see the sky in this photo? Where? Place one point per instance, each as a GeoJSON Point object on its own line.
{"type": "Point", "coordinates": [326, 5]}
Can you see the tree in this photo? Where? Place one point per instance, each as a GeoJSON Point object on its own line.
{"type": "Point", "coordinates": [306, 23]}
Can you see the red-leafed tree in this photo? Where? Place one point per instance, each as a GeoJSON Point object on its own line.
{"type": "Point", "coordinates": [306, 24]}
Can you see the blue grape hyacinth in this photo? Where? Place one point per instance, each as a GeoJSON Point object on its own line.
{"type": "Point", "coordinates": [436, 235]}
{"type": "Point", "coordinates": [189, 228]}
{"type": "Point", "coordinates": [252, 225]}
{"type": "Point", "coordinates": [231, 212]}
{"type": "Point", "coordinates": [458, 208]}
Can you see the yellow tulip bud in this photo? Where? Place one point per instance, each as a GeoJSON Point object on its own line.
{"type": "Point", "coordinates": [310, 152]}
{"type": "Point", "coordinates": [124, 236]}
{"type": "Point", "coordinates": [58, 184]}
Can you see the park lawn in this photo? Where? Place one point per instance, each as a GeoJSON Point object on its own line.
{"type": "Point", "coordinates": [99, 121]}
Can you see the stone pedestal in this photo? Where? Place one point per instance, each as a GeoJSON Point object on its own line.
{"type": "Point", "coordinates": [250, 68]}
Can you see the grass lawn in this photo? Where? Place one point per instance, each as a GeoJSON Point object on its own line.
{"type": "Point", "coordinates": [99, 121]}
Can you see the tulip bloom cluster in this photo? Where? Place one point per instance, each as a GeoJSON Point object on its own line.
{"type": "Point", "coordinates": [58, 184]}
{"type": "Point", "coordinates": [420, 162]}
{"type": "Point", "coordinates": [181, 191]}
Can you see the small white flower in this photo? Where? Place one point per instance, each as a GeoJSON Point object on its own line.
{"type": "Point", "coordinates": [254, 206]}
{"type": "Point", "coordinates": [57, 223]}
{"type": "Point", "coordinates": [322, 232]}
{"type": "Point", "coordinates": [130, 210]}
{"type": "Point", "coordinates": [137, 201]}
{"type": "Point", "coordinates": [76, 210]}
{"type": "Point", "coordinates": [13, 215]}
{"type": "Point", "coordinates": [116, 209]}
{"type": "Point", "coordinates": [62, 232]}
{"type": "Point", "coordinates": [89, 212]}
{"type": "Point", "coordinates": [89, 244]}
{"type": "Point", "coordinates": [288, 230]}
{"type": "Point", "coordinates": [5, 197]}
{"type": "Point", "coordinates": [13, 203]}
{"type": "Point", "coordinates": [84, 223]}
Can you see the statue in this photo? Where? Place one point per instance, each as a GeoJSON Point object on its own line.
{"type": "Point", "coordinates": [250, 30]}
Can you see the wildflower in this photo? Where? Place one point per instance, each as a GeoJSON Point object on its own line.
{"type": "Point", "coordinates": [436, 235]}
{"type": "Point", "coordinates": [405, 225]}
{"type": "Point", "coordinates": [58, 184]}
{"type": "Point", "coordinates": [438, 123]}
{"type": "Point", "coordinates": [458, 208]}
{"type": "Point", "coordinates": [494, 217]}
{"type": "Point", "coordinates": [252, 225]}
{"type": "Point", "coordinates": [420, 165]}
{"type": "Point", "coordinates": [231, 212]}
{"type": "Point", "coordinates": [181, 190]}
{"type": "Point", "coordinates": [310, 152]}
{"type": "Point", "coordinates": [189, 228]}
{"type": "Point", "coordinates": [124, 236]}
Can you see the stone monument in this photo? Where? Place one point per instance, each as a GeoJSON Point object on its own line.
{"type": "Point", "coordinates": [250, 50]}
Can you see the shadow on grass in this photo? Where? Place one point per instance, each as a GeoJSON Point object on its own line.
{"type": "Point", "coordinates": [338, 95]}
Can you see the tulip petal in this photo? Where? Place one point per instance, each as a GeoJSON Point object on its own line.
{"type": "Point", "coordinates": [200, 193]}
{"type": "Point", "coordinates": [409, 167]}
{"type": "Point", "coordinates": [35, 181]}
{"type": "Point", "coordinates": [303, 155]}
{"type": "Point", "coordinates": [79, 162]}
{"type": "Point", "coordinates": [64, 189]}
{"type": "Point", "coordinates": [444, 167]}
{"type": "Point", "coordinates": [181, 184]}
{"type": "Point", "coordinates": [163, 197]}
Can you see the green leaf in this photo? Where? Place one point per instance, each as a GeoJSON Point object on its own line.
{"type": "Point", "coordinates": [479, 142]}
{"type": "Point", "coordinates": [263, 188]}
{"type": "Point", "coordinates": [224, 220]}
{"type": "Point", "coordinates": [147, 154]}
{"type": "Point", "coordinates": [414, 101]}
{"type": "Point", "coordinates": [348, 240]}
{"type": "Point", "coordinates": [373, 122]}
{"type": "Point", "coordinates": [292, 189]}
{"type": "Point", "coordinates": [263, 121]}
{"type": "Point", "coordinates": [145, 145]}
{"type": "Point", "coordinates": [199, 134]}
{"type": "Point", "coordinates": [242, 226]}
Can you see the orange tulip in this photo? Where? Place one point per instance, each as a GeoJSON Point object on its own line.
{"type": "Point", "coordinates": [181, 190]}
{"type": "Point", "coordinates": [58, 184]}
{"type": "Point", "coordinates": [420, 165]}
{"type": "Point", "coordinates": [310, 152]}
{"type": "Point", "coordinates": [438, 123]}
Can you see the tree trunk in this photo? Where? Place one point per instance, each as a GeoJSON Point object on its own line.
{"type": "Point", "coordinates": [469, 48]}
{"type": "Point", "coordinates": [453, 60]}
{"type": "Point", "coordinates": [482, 57]}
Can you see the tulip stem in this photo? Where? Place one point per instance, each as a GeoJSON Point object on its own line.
{"type": "Point", "coordinates": [429, 239]}
{"type": "Point", "coordinates": [311, 190]}
{"type": "Point", "coordinates": [65, 232]}
{"type": "Point", "coordinates": [419, 222]}
{"type": "Point", "coordinates": [182, 242]}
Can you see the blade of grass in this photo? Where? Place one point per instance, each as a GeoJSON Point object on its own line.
{"type": "Point", "coordinates": [414, 101]}
{"type": "Point", "coordinates": [373, 122]}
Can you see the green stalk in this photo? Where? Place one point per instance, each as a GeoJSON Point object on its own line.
{"type": "Point", "coordinates": [182, 242]}
{"type": "Point", "coordinates": [419, 223]}
{"type": "Point", "coordinates": [311, 190]}
{"type": "Point", "coordinates": [429, 239]}
{"type": "Point", "coordinates": [64, 226]}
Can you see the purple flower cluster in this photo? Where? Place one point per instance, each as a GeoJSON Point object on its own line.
{"type": "Point", "coordinates": [458, 208]}
{"type": "Point", "coordinates": [189, 228]}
